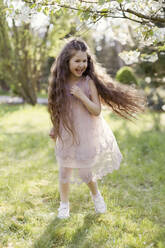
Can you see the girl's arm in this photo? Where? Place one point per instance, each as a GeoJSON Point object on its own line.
{"type": "Point", "coordinates": [93, 105]}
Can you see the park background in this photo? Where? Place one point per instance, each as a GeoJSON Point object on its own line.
{"type": "Point", "coordinates": [127, 38]}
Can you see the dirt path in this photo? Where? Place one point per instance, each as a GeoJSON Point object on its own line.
{"type": "Point", "coordinates": [19, 100]}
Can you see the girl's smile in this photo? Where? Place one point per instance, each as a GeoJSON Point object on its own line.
{"type": "Point", "coordinates": [78, 64]}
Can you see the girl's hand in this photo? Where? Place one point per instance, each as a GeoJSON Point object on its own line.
{"type": "Point", "coordinates": [77, 92]}
{"type": "Point", "coordinates": [52, 134]}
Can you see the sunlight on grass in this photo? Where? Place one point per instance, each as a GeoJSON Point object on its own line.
{"type": "Point", "coordinates": [29, 195]}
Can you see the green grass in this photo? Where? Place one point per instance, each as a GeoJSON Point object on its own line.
{"type": "Point", "coordinates": [29, 197]}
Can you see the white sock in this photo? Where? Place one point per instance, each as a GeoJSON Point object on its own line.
{"type": "Point", "coordinates": [64, 203]}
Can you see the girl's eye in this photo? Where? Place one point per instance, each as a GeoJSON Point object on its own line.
{"type": "Point", "coordinates": [79, 61]}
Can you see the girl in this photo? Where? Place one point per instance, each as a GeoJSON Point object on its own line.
{"type": "Point", "coordinates": [86, 149]}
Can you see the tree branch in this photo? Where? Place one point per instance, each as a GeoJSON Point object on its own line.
{"type": "Point", "coordinates": [83, 1]}
{"type": "Point", "coordinates": [128, 18]}
{"type": "Point", "coordinates": [151, 18]}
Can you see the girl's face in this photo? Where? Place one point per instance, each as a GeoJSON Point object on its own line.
{"type": "Point", "coordinates": [78, 63]}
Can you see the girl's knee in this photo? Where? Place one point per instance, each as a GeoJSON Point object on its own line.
{"type": "Point", "coordinates": [85, 174]}
{"type": "Point", "coordinates": [64, 174]}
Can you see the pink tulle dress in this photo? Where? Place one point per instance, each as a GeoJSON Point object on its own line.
{"type": "Point", "coordinates": [95, 152]}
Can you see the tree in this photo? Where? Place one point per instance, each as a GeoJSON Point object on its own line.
{"type": "Point", "coordinates": [5, 49]}
{"type": "Point", "coordinates": [24, 51]}
{"type": "Point", "coordinates": [20, 59]}
{"type": "Point", "coordinates": [148, 15]}
{"type": "Point", "coordinates": [145, 19]}
{"type": "Point", "coordinates": [143, 12]}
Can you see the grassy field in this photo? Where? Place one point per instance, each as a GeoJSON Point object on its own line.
{"type": "Point", "coordinates": [29, 197]}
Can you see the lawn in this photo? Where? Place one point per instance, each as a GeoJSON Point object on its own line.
{"type": "Point", "coordinates": [29, 197]}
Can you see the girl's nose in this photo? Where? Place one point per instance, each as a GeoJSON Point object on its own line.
{"type": "Point", "coordinates": [81, 64]}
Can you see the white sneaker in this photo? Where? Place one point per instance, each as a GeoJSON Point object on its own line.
{"type": "Point", "coordinates": [63, 210]}
{"type": "Point", "coordinates": [100, 206]}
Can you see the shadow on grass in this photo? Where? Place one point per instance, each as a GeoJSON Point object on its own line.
{"type": "Point", "coordinates": [55, 233]}
{"type": "Point", "coordinates": [137, 189]}
{"type": "Point", "coordinates": [26, 155]}
{"type": "Point", "coordinates": [143, 154]}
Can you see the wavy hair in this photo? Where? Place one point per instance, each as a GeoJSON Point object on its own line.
{"type": "Point", "coordinates": [124, 100]}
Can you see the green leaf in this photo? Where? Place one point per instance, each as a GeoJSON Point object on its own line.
{"type": "Point", "coordinates": [86, 15]}
{"type": "Point", "coordinates": [79, 12]}
{"type": "Point", "coordinates": [161, 48]}
{"type": "Point", "coordinates": [33, 5]}
{"type": "Point", "coordinates": [103, 12]}
{"type": "Point", "coordinates": [101, 2]}
{"type": "Point", "coordinates": [52, 12]}
{"type": "Point", "coordinates": [39, 9]}
{"type": "Point", "coordinates": [105, 9]}
{"type": "Point", "coordinates": [94, 17]}
{"type": "Point", "coordinates": [151, 32]}
{"type": "Point", "coordinates": [46, 11]}
{"type": "Point", "coordinates": [58, 12]}
{"type": "Point", "coordinates": [119, 1]}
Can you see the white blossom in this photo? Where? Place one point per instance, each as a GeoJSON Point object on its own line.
{"type": "Point", "coordinates": [163, 107]}
{"type": "Point", "coordinates": [24, 15]}
{"type": "Point", "coordinates": [148, 80]}
{"type": "Point", "coordinates": [114, 4]}
{"type": "Point", "coordinates": [149, 57]}
{"type": "Point", "coordinates": [130, 57]}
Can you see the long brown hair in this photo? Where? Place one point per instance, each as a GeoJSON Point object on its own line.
{"type": "Point", "coordinates": [124, 100]}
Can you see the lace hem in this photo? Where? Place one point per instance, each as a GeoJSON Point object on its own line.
{"type": "Point", "coordinates": [100, 166]}
{"type": "Point", "coordinates": [109, 151]}
{"type": "Point", "coordinates": [96, 175]}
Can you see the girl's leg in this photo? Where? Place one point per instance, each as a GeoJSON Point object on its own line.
{"type": "Point", "coordinates": [64, 175]}
{"type": "Point", "coordinates": [85, 175]}
{"type": "Point", "coordinates": [93, 187]}
{"type": "Point", "coordinates": [100, 205]}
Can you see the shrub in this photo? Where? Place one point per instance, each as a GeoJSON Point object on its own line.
{"type": "Point", "coordinates": [126, 75]}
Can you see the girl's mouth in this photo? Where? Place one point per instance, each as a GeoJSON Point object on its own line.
{"type": "Point", "coordinates": [79, 71]}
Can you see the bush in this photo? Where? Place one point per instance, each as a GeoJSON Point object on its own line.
{"type": "Point", "coordinates": [126, 75]}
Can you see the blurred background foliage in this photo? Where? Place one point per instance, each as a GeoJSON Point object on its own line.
{"type": "Point", "coordinates": [131, 49]}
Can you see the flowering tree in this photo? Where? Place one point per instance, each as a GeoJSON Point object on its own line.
{"type": "Point", "coordinates": [149, 15]}
{"type": "Point", "coordinates": [24, 47]}
{"type": "Point", "coordinates": [145, 21]}
{"type": "Point", "coordinates": [141, 11]}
